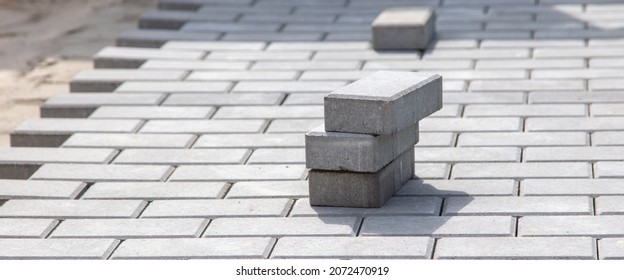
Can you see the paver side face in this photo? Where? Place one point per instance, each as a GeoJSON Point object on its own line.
{"type": "Point", "coordinates": [403, 29]}
{"type": "Point", "coordinates": [383, 103]}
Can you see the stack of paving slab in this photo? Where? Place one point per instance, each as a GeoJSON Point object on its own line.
{"type": "Point", "coordinates": [365, 151]}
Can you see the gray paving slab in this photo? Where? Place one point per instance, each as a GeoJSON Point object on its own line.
{"type": "Point", "coordinates": [608, 169]}
{"type": "Point", "coordinates": [484, 98]}
{"type": "Point", "coordinates": [258, 56]}
{"type": "Point", "coordinates": [431, 170]}
{"type": "Point", "coordinates": [282, 140]}
{"type": "Point", "coordinates": [533, 110]}
{"type": "Point", "coordinates": [518, 206]}
{"type": "Point", "coordinates": [521, 170]}
{"type": "Point", "coordinates": [90, 100]}
{"type": "Point", "coordinates": [106, 80]}
{"type": "Point", "coordinates": [354, 151]}
{"type": "Point", "coordinates": [170, 87]}
{"type": "Point", "coordinates": [154, 38]}
{"type": "Point", "coordinates": [71, 248]}
{"type": "Point", "coordinates": [575, 124]}
{"type": "Point", "coordinates": [470, 125]}
{"type": "Point", "coordinates": [71, 209]}
{"type": "Point", "coordinates": [527, 85]}
{"type": "Point", "coordinates": [192, 65]}
{"type": "Point", "coordinates": [353, 247]}
{"type": "Point", "coordinates": [609, 205]}
{"type": "Point", "coordinates": [436, 139]}
{"type": "Point", "coordinates": [182, 156]}
{"type": "Point", "coordinates": [128, 57]}
{"type": "Point", "coordinates": [203, 126]}
{"type": "Point", "coordinates": [438, 226]}
{"type": "Point", "coordinates": [36, 155]}
{"type": "Point", "coordinates": [600, 110]}
{"type": "Point", "coordinates": [467, 154]}
{"type": "Point", "coordinates": [130, 228]}
{"type": "Point", "coordinates": [418, 65]}
{"type": "Point", "coordinates": [591, 226]}
{"type": "Point", "coordinates": [297, 86]}
{"type": "Point", "coordinates": [277, 155]}
{"type": "Point", "coordinates": [155, 190]}
{"type": "Point", "coordinates": [158, 19]}
{"type": "Point", "coordinates": [458, 188]}
{"type": "Point", "coordinates": [575, 97]}
{"type": "Point", "coordinates": [214, 45]}
{"type": "Point", "coordinates": [269, 112]}
{"type": "Point", "coordinates": [611, 248]}
{"type": "Point", "coordinates": [418, 206]}
{"type": "Point", "coordinates": [567, 187]}
{"type": "Point", "coordinates": [241, 75]}
{"type": "Point", "coordinates": [402, 28]}
{"type": "Point", "coordinates": [29, 189]}
{"type": "Point", "coordinates": [516, 248]}
{"type": "Point", "coordinates": [607, 138]}
{"type": "Point", "coordinates": [293, 126]}
{"type": "Point", "coordinates": [278, 227]}
{"type": "Point", "coordinates": [275, 189]}
{"type": "Point", "coordinates": [530, 64]}
{"type": "Point", "coordinates": [215, 208]}
{"type": "Point", "coordinates": [128, 140]}
{"type": "Point", "coordinates": [223, 99]}
{"type": "Point", "coordinates": [534, 154]}
{"type": "Point", "coordinates": [26, 228]}
{"type": "Point", "coordinates": [228, 26]}
{"type": "Point", "coordinates": [152, 112]}
{"type": "Point", "coordinates": [101, 172]}
{"type": "Point", "coordinates": [194, 248]}
{"type": "Point", "coordinates": [69, 126]}
{"type": "Point", "coordinates": [358, 189]}
{"type": "Point", "coordinates": [233, 173]}
{"type": "Point", "coordinates": [524, 139]}
{"type": "Point", "coordinates": [405, 98]}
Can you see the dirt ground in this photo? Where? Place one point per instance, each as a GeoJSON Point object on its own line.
{"type": "Point", "coordinates": [44, 43]}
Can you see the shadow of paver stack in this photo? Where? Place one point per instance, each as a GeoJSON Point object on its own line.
{"type": "Point", "coordinates": [364, 152]}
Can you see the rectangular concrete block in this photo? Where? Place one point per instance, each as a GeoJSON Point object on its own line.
{"type": "Point", "coordinates": [182, 156]}
{"type": "Point", "coordinates": [234, 173]}
{"type": "Point", "coordinates": [516, 248]}
{"type": "Point", "coordinates": [353, 247]}
{"type": "Point", "coordinates": [128, 140]}
{"type": "Point", "coordinates": [356, 152]}
{"type": "Point", "coordinates": [383, 103]}
{"type": "Point", "coordinates": [407, 206]}
{"type": "Point", "coordinates": [281, 226]}
{"type": "Point", "coordinates": [71, 248]}
{"type": "Point", "coordinates": [194, 248]}
{"type": "Point", "coordinates": [23, 189]}
{"type": "Point", "coordinates": [403, 29]}
{"type": "Point", "coordinates": [71, 209]}
{"type": "Point", "coordinates": [130, 228]}
{"type": "Point", "coordinates": [216, 208]}
{"type": "Point", "coordinates": [355, 189]}
{"type": "Point", "coordinates": [101, 172]}
{"type": "Point", "coordinates": [155, 190]}
{"type": "Point", "coordinates": [438, 226]}
{"type": "Point", "coordinates": [26, 228]}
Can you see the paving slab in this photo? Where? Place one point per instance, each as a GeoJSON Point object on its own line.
{"type": "Point", "coordinates": [591, 226]}
{"type": "Point", "coordinates": [354, 151]}
{"type": "Point", "coordinates": [155, 190]}
{"type": "Point", "coordinates": [353, 247]}
{"type": "Point", "coordinates": [275, 189]}
{"type": "Point", "coordinates": [418, 206]}
{"type": "Point", "coordinates": [234, 173]}
{"type": "Point", "coordinates": [36, 155]}
{"type": "Point", "coordinates": [152, 112]}
{"type": "Point", "coordinates": [57, 249]}
{"type": "Point", "coordinates": [278, 227]}
{"type": "Point", "coordinates": [26, 228]}
{"type": "Point", "coordinates": [521, 170]}
{"type": "Point", "coordinates": [203, 126]}
{"type": "Point", "coordinates": [518, 206]}
{"type": "Point", "coordinates": [475, 187]}
{"type": "Point", "coordinates": [171, 87]}
{"type": "Point", "coordinates": [215, 208]}
{"type": "Point", "coordinates": [611, 248]}
{"type": "Point", "coordinates": [383, 103]}
{"type": "Point", "coordinates": [154, 38]}
{"type": "Point", "coordinates": [71, 209]}
{"type": "Point", "coordinates": [106, 80]}
{"type": "Point", "coordinates": [30, 189]}
{"type": "Point", "coordinates": [273, 141]}
{"type": "Point", "coordinates": [516, 248]}
{"type": "Point", "coordinates": [524, 139]}
{"type": "Point", "coordinates": [269, 112]}
{"type": "Point", "coordinates": [438, 226]}
{"type": "Point", "coordinates": [101, 172]}
{"type": "Point", "coordinates": [128, 140]}
{"type": "Point", "coordinates": [159, 19]}
{"type": "Point", "coordinates": [194, 248]}
{"type": "Point", "coordinates": [467, 154]}
{"type": "Point", "coordinates": [182, 156]}
{"type": "Point", "coordinates": [223, 99]}
{"type": "Point", "coordinates": [130, 228]}
{"type": "Point", "coordinates": [277, 155]}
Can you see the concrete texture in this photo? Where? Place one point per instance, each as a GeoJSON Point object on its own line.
{"type": "Point", "coordinates": [356, 152]}
{"type": "Point", "coordinates": [353, 189]}
{"type": "Point", "coordinates": [383, 103]}
{"type": "Point", "coordinates": [406, 28]}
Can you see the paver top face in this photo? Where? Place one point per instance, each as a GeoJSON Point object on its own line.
{"type": "Point", "coordinates": [403, 17]}
{"type": "Point", "coordinates": [383, 86]}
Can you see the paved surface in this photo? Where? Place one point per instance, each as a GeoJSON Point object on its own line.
{"type": "Point", "coordinates": [187, 140]}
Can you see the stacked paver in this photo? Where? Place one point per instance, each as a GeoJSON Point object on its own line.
{"type": "Point", "coordinates": [365, 151]}
{"type": "Point", "coordinates": [522, 162]}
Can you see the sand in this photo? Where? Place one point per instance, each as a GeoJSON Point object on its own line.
{"type": "Point", "coordinates": [44, 43]}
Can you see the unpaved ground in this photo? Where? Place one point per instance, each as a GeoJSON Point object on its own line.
{"type": "Point", "coordinates": [43, 43]}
